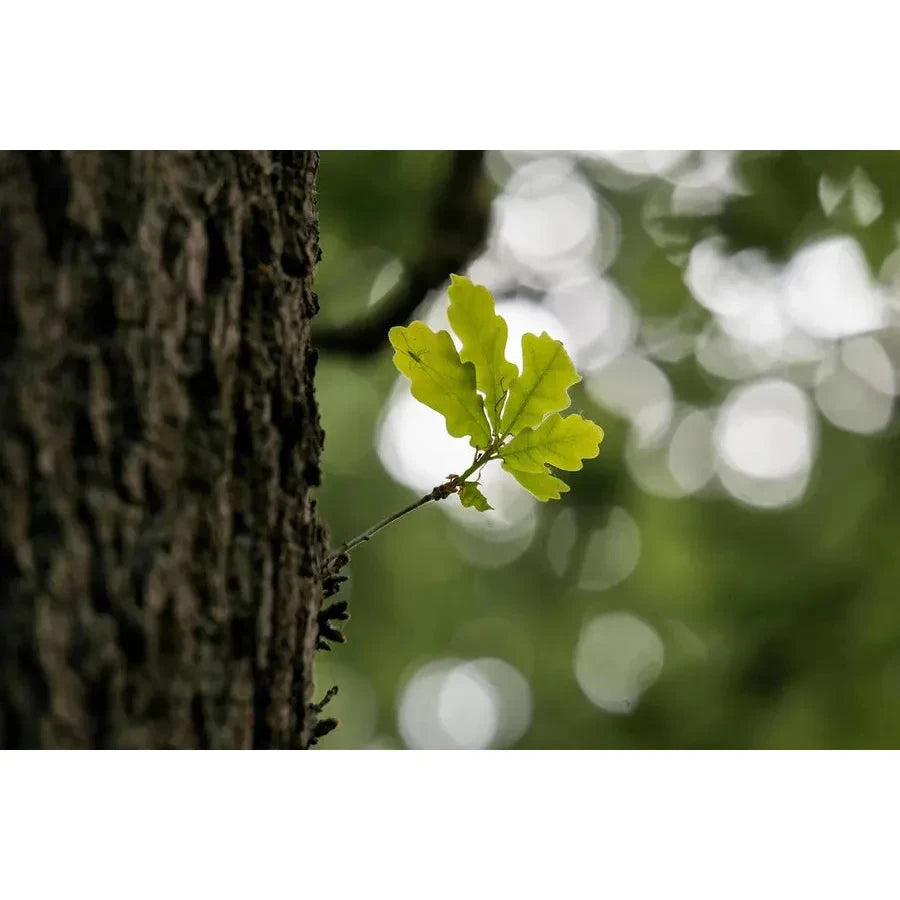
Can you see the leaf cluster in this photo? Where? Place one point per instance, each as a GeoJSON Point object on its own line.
{"type": "Point", "coordinates": [506, 414]}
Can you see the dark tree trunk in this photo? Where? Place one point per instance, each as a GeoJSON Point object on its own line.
{"type": "Point", "coordinates": [159, 440]}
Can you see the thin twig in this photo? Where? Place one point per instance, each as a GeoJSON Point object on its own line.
{"type": "Point", "coordinates": [366, 535]}
{"type": "Point", "coordinates": [440, 492]}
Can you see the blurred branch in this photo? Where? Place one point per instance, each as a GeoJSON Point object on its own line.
{"type": "Point", "coordinates": [458, 230]}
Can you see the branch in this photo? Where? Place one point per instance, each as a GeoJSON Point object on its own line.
{"type": "Point", "coordinates": [441, 492]}
{"type": "Point", "coordinates": [458, 230]}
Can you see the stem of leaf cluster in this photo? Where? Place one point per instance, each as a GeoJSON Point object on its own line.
{"type": "Point", "coordinates": [440, 492]}
{"type": "Point", "coordinates": [368, 533]}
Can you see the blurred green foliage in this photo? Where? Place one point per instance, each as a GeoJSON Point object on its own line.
{"type": "Point", "coordinates": [781, 627]}
{"type": "Point", "coordinates": [374, 207]}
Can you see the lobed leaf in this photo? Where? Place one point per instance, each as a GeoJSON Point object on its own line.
{"type": "Point", "coordinates": [470, 495]}
{"type": "Point", "coordinates": [557, 441]}
{"type": "Point", "coordinates": [483, 334]}
{"type": "Point", "coordinates": [543, 386]}
{"type": "Point", "coordinates": [439, 379]}
{"type": "Point", "coordinates": [543, 485]}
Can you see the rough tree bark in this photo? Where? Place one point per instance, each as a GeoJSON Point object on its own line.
{"type": "Point", "coordinates": [159, 441]}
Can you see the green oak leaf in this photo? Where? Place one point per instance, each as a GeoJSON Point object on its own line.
{"type": "Point", "coordinates": [543, 386]}
{"type": "Point", "coordinates": [439, 379]}
{"type": "Point", "coordinates": [483, 334]}
{"type": "Point", "coordinates": [543, 485]}
{"type": "Point", "coordinates": [560, 442]}
{"type": "Point", "coordinates": [470, 495]}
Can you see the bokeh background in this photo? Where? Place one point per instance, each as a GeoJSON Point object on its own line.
{"type": "Point", "coordinates": [725, 574]}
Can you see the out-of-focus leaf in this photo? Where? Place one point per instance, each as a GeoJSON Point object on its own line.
{"type": "Point", "coordinates": [483, 334]}
{"type": "Point", "coordinates": [470, 495]}
{"type": "Point", "coordinates": [543, 386]}
{"type": "Point", "coordinates": [439, 379]}
{"type": "Point", "coordinates": [557, 441]}
{"type": "Point", "coordinates": [543, 485]}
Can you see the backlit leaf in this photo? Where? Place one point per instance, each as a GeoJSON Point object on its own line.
{"type": "Point", "coordinates": [543, 485]}
{"type": "Point", "coordinates": [483, 334]}
{"type": "Point", "coordinates": [557, 441]}
{"type": "Point", "coordinates": [439, 379]}
{"type": "Point", "coordinates": [543, 386]}
{"type": "Point", "coordinates": [470, 495]}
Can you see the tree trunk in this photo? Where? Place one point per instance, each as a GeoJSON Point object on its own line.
{"type": "Point", "coordinates": [159, 441]}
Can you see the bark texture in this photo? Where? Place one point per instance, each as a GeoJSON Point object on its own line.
{"type": "Point", "coordinates": [159, 441]}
